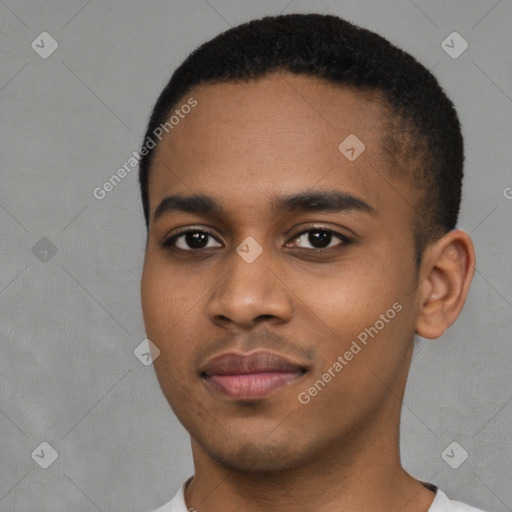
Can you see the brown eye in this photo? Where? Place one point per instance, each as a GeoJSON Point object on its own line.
{"type": "Point", "coordinates": [320, 239]}
{"type": "Point", "coordinates": [191, 240]}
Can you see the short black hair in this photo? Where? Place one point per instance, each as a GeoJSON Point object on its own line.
{"type": "Point", "coordinates": [422, 134]}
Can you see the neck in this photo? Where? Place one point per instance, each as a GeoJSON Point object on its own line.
{"type": "Point", "coordinates": [359, 473]}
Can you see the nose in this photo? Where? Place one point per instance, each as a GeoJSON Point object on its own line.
{"type": "Point", "coordinates": [250, 293]}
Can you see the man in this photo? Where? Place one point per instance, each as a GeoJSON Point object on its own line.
{"type": "Point", "coordinates": [301, 182]}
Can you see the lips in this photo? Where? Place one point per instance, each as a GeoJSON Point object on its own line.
{"type": "Point", "coordinates": [250, 376]}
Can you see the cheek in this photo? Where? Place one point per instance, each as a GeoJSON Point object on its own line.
{"type": "Point", "coordinates": [356, 302]}
{"type": "Point", "coordinates": [349, 294]}
{"type": "Point", "coordinates": [167, 305]}
{"type": "Point", "coordinates": [168, 296]}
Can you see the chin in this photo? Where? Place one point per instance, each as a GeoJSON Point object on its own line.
{"type": "Point", "coordinates": [254, 458]}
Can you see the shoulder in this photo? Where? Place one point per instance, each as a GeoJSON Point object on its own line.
{"type": "Point", "coordinates": [177, 504]}
{"type": "Point", "coordinates": [442, 503]}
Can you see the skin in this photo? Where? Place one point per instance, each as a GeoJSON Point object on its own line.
{"type": "Point", "coordinates": [245, 144]}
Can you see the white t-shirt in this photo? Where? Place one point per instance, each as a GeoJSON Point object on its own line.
{"type": "Point", "coordinates": [441, 502]}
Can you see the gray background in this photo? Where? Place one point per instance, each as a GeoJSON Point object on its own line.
{"type": "Point", "coordinates": [71, 320]}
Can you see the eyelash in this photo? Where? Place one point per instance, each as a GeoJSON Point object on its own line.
{"type": "Point", "coordinates": [168, 243]}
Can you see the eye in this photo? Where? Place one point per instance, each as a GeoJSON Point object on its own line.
{"type": "Point", "coordinates": [320, 239]}
{"type": "Point", "coordinates": [192, 239]}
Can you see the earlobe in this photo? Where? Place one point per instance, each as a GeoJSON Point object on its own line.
{"type": "Point", "coordinates": [447, 271]}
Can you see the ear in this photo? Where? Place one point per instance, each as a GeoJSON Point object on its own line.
{"type": "Point", "coordinates": [446, 272]}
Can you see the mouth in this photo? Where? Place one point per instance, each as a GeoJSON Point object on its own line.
{"type": "Point", "coordinates": [250, 376]}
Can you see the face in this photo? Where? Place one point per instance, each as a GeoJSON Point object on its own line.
{"type": "Point", "coordinates": [292, 251]}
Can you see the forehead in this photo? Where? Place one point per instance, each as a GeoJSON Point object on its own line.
{"type": "Point", "coordinates": [245, 142]}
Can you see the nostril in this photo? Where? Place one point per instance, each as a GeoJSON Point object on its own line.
{"type": "Point", "coordinates": [265, 317]}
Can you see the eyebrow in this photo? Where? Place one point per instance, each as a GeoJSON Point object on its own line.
{"type": "Point", "coordinates": [302, 202]}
